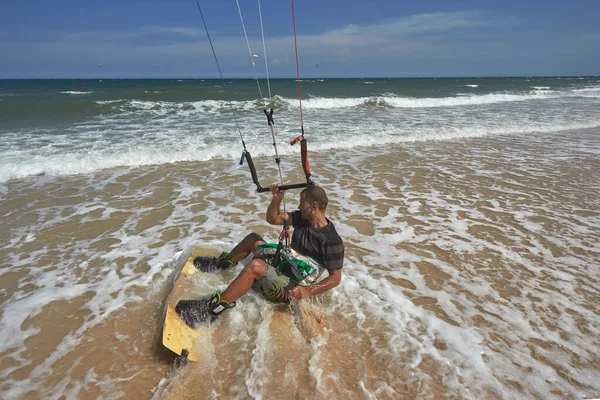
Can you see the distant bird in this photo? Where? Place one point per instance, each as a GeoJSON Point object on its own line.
{"type": "Point", "coordinates": [99, 65]}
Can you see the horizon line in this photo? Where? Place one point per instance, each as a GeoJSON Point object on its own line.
{"type": "Point", "coordinates": [313, 77]}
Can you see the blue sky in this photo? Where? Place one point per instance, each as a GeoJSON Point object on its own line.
{"type": "Point", "coordinates": [350, 38]}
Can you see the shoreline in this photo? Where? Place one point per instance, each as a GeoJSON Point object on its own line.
{"type": "Point", "coordinates": [290, 160]}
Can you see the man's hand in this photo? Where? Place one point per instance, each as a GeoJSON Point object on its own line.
{"type": "Point", "coordinates": [274, 214]}
{"type": "Point", "coordinates": [275, 191]}
{"type": "Point", "coordinates": [299, 292]}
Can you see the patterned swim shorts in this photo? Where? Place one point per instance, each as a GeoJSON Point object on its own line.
{"type": "Point", "coordinates": [274, 285]}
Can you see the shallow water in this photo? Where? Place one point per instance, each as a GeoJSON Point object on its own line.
{"type": "Point", "coordinates": [471, 272]}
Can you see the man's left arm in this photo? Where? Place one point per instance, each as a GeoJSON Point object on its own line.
{"type": "Point", "coordinates": [301, 292]}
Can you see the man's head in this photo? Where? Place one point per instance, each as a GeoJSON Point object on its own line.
{"type": "Point", "coordinates": [313, 201]}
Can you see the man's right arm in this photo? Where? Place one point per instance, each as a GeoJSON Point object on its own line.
{"type": "Point", "coordinates": [274, 214]}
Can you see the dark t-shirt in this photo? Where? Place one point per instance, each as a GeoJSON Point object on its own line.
{"type": "Point", "coordinates": [323, 245]}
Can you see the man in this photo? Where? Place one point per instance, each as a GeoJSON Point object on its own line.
{"type": "Point", "coordinates": [314, 236]}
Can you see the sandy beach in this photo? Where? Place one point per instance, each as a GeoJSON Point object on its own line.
{"type": "Point", "coordinates": [471, 272]}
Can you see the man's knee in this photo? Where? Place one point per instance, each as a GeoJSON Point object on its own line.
{"type": "Point", "coordinates": [257, 268]}
{"type": "Point", "coordinates": [254, 238]}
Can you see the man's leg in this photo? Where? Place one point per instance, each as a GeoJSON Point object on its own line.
{"type": "Point", "coordinates": [253, 271]}
{"type": "Point", "coordinates": [195, 312]}
{"type": "Point", "coordinates": [249, 244]}
{"type": "Point", "coordinates": [227, 260]}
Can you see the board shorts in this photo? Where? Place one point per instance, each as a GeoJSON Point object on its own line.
{"type": "Point", "coordinates": [293, 269]}
{"type": "Point", "coordinates": [274, 285]}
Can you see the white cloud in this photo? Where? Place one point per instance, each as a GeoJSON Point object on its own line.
{"type": "Point", "coordinates": [420, 44]}
{"type": "Point", "coordinates": [438, 22]}
{"type": "Point", "coordinates": [145, 33]}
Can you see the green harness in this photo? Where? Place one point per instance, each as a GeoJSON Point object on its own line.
{"type": "Point", "coordinates": [302, 270]}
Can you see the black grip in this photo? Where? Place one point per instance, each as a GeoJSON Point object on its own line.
{"type": "Point", "coordinates": [252, 169]}
{"type": "Point", "coordinates": [261, 189]}
{"type": "Point", "coordinates": [293, 186]}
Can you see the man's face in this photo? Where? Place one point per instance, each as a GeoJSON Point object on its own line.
{"type": "Point", "coordinates": [306, 208]}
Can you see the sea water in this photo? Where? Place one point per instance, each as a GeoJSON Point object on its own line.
{"type": "Point", "coordinates": [469, 209]}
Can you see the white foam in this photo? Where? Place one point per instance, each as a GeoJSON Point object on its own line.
{"type": "Point", "coordinates": [470, 363]}
{"type": "Point", "coordinates": [138, 133]}
{"type": "Point", "coordinates": [74, 92]}
{"type": "Point", "coordinates": [411, 102]}
{"type": "Point", "coordinates": [389, 99]}
{"type": "Point", "coordinates": [257, 374]}
{"type": "Point", "coordinates": [155, 148]}
{"type": "Point", "coordinates": [588, 89]}
{"type": "Point", "coordinates": [315, 361]}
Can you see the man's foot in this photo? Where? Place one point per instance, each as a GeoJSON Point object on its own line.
{"type": "Point", "coordinates": [211, 264]}
{"type": "Point", "coordinates": [195, 312]}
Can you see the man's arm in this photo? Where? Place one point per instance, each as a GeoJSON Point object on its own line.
{"type": "Point", "coordinates": [301, 292]}
{"type": "Point", "coordinates": [274, 214]}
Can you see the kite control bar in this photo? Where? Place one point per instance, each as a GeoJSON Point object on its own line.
{"type": "Point", "coordinates": [303, 154]}
{"type": "Point", "coordinates": [246, 155]}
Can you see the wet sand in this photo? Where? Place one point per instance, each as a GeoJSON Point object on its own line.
{"type": "Point", "coordinates": [471, 272]}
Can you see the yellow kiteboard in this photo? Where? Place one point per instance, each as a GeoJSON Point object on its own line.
{"type": "Point", "coordinates": [177, 335]}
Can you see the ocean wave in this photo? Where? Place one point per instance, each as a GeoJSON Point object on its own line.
{"type": "Point", "coordinates": [385, 100]}
{"type": "Point", "coordinates": [340, 103]}
{"type": "Point", "coordinates": [102, 102]}
{"type": "Point", "coordinates": [162, 108]}
{"type": "Point", "coordinates": [75, 92]}
{"type": "Point", "coordinates": [589, 92]}
{"type": "Point", "coordinates": [588, 89]}
{"type": "Point", "coordinates": [414, 102]}
{"type": "Point", "coordinates": [181, 146]}
{"type": "Point", "coordinates": [472, 86]}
